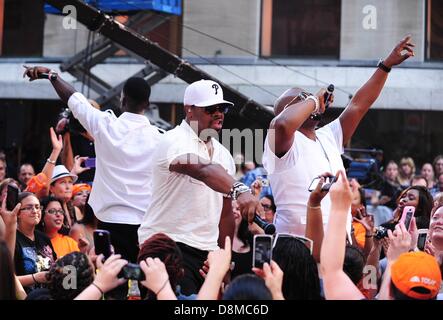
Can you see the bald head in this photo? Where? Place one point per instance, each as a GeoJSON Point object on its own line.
{"type": "Point", "coordinates": [290, 96]}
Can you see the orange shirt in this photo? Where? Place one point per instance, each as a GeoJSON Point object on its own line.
{"type": "Point", "coordinates": [63, 245]}
{"type": "Point", "coordinates": [359, 234]}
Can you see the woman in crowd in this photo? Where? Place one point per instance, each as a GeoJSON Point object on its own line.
{"type": "Point", "coordinates": [241, 245]}
{"type": "Point", "coordinates": [428, 173]}
{"type": "Point", "coordinates": [51, 224]}
{"type": "Point", "coordinates": [83, 230]}
{"type": "Point", "coordinates": [438, 165]}
{"type": "Point", "coordinates": [34, 253]}
{"type": "Point", "coordinates": [61, 187]}
{"type": "Point", "coordinates": [390, 187]}
{"type": "Point", "coordinates": [419, 198]}
{"type": "Point", "coordinates": [406, 172]}
{"type": "Point", "coordinates": [80, 194]}
{"type": "Point", "coordinates": [268, 204]}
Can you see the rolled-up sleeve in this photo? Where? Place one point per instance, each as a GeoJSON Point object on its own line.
{"type": "Point", "coordinates": [85, 113]}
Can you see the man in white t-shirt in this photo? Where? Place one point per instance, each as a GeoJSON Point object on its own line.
{"type": "Point", "coordinates": [295, 152]}
{"type": "Point", "coordinates": [124, 146]}
{"type": "Point", "coordinates": [191, 173]}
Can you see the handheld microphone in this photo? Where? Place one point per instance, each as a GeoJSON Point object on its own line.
{"type": "Point", "coordinates": [50, 76]}
{"type": "Point", "coordinates": [328, 93]}
{"type": "Point", "coordinates": [267, 227]}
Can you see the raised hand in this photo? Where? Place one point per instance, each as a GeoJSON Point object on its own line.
{"type": "Point", "coordinates": [400, 242]}
{"type": "Point", "coordinates": [57, 142]}
{"type": "Point", "coordinates": [340, 193]}
{"type": "Point", "coordinates": [317, 194]}
{"type": "Point", "coordinates": [398, 54]}
{"type": "Point", "coordinates": [156, 274]}
{"type": "Point", "coordinates": [249, 205]}
{"type": "Point", "coordinates": [365, 219]}
{"type": "Point", "coordinates": [256, 187]}
{"type": "Point", "coordinates": [273, 276]}
{"type": "Point", "coordinates": [9, 217]}
{"type": "Point", "coordinates": [77, 168]}
{"type": "Point", "coordinates": [34, 72]}
{"type": "Point", "coordinates": [106, 279]}
{"type": "Point", "coordinates": [220, 260]}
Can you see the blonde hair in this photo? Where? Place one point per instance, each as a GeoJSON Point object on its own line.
{"type": "Point", "coordinates": [410, 162]}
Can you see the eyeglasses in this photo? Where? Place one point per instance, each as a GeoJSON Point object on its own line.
{"type": "Point", "coordinates": [220, 108]}
{"type": "Point", "coordinates": [37, 207]}
{"type": "Point", "coordinates": [306, 241]}
{"type": "Point", "coordinates": [266, 207]}
{"type": "Point", "coordinates": [55, 211]}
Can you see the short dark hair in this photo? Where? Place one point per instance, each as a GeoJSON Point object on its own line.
{"type": "Point", "coordinates": [137, 91]}
{"type": "Point", "coordinates": [354, 263]}
{"type": "Point", "coordinates": [247, 287]}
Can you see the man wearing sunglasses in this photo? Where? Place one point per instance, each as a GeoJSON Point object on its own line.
{"type": "Point", "coordinates": [192, 172]}
{"type": "Point", "coordinates": [296, 152]}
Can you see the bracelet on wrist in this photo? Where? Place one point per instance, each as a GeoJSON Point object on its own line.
{"type": "Point", "coordinates": [383, 67]}
{"type": "Point", "coordinates": [369, 235]}
{"type": "Point", "coordinates": [33, 278]}
{"type": "Point", "coordinates": [163, 286]}
{"type": "Point", "coordinates": [51, 161]}
{"type": "Point", "coordinates": [316, 102]}
{"type": "Point", "coordinates": [98, 288]}
{"type": "Point", "coordinates": [237, 189]}
{"type": "Point", "coordinates": [314, 207]}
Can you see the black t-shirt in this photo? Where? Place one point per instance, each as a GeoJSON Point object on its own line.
{"type": "Point", "coordinates": [243, 263]}
{"type": "Point", "coordinates": [33, 256]}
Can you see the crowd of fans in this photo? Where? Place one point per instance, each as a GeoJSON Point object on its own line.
{"type": "Point", "coordinates": [184, 250]}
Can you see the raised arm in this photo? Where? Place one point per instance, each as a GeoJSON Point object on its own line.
{"type": "Point", "coordinates": [369, 92]}
{"type": "Point", "coordinates": [57, 146]}
{"type": "Point", "coordinates": [219, 262]}
{"type": "Point", "coordinates": [284, 125]}
{"type": "Point", "coordinates": [337, 285]}
{"type": "Point", "coordinates": [64, 90]}
{"type": "Point", "coordinates": [82, 110]}
{"type": "Point", "coordinates": [314, 219]}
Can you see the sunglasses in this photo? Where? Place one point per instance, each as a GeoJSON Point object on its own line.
{"type": "Point", "coordinates": [306, 241]}
{"type": "Point", "coordinates": [220, 108]}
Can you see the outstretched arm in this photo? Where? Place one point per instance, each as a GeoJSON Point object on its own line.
{"type": "Point", "coordinates": [63, 89]}
{"type": "Point", "coordinates": [216, 178]}
{"type": "Point", "coordinates": [369, 92]}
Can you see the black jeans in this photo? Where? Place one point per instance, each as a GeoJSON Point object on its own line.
{"type": "Point", "coordinates": [124, 239]}
{"type": "Point", "coordinates": [193, 260]}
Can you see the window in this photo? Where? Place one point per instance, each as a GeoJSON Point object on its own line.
{"type": "Point", "coordinates": [435, 30]}
{"type": "Point", "coordinates": [23, 28]}
{"type": "Point", "coordinates": [301, 28]}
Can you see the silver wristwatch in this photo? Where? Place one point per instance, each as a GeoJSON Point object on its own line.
{"type": "Point", "coordinates": [237, 189]}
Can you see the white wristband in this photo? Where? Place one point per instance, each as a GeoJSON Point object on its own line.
{"type": "Point", "coordinates": [317, 103]}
